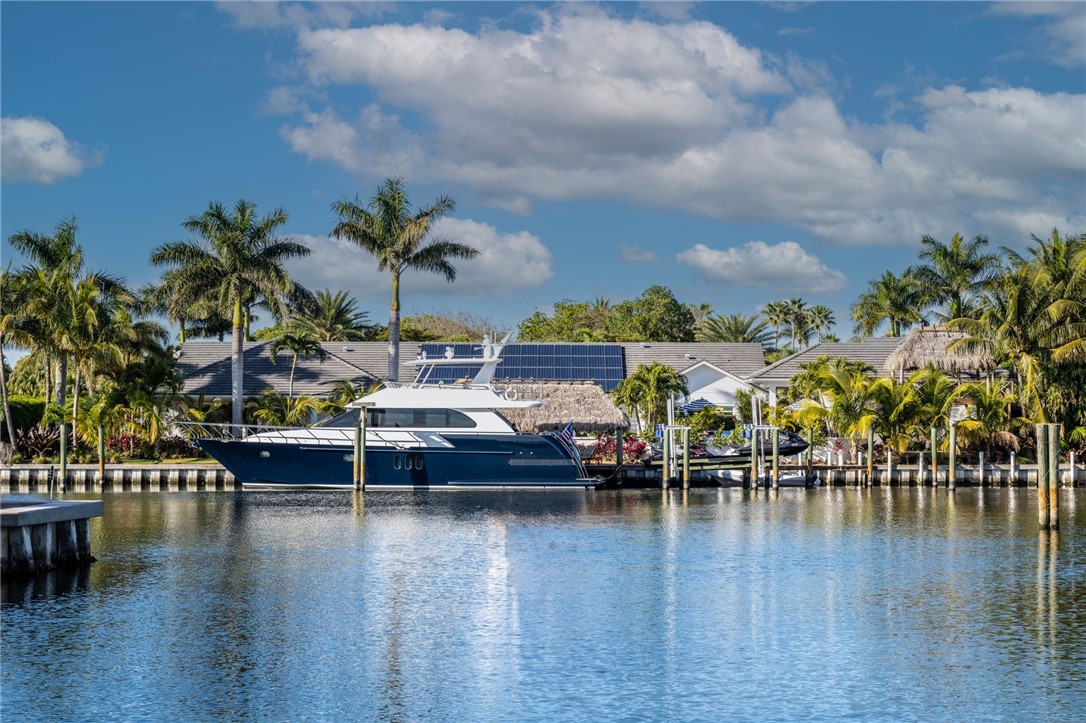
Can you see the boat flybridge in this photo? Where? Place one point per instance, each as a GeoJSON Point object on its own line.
{"type": "Point", "coordinates": [417, 435]}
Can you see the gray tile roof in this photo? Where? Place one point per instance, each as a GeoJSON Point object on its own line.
{"type": "Point", "coordinates": [873, 351]}
{"type": "Point", "coordinates": [742, 360]}
{"type": "Point", "coordinates": [205, 365]}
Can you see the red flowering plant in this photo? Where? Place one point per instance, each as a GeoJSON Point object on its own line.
{"type": "Point", "coordinates": [633, 450]}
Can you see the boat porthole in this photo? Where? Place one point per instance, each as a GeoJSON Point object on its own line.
{"type": "Point", "coordinates": [396, 462]}
{"type": "Point", "coordinates": [418, 462]}
{"type": "Point", "coordinates": [265, 453]}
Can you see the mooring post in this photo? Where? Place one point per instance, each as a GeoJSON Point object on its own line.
{"type": "Point", "coordinates": [665, 468]}
{"type": "Point", "coordinates": [63, 457]}
{"type": "Point", "coordinates": [889, 467]}
{"type": "Point", "coordinates": [952, 457]}
{"type": "Point", "coordinates": [101, 454]}
{"type": "Point", "coordinates": [1013, 480]}
{"type": "Point", "coordinates": [360, 447]}
{"type": "Point", "coordinates": [775, 482]}
{"type": "Point", "coordinates": [920, 469]}
{"type": "Point", "coordinates": [980, 457]}
{"type": "Point", "coordinates": [870, 455]}
{"type": "Point", "coordinates": [810, 454]}
{"type": "Point", "coordinates": [620, 442]}
{"type": "Point", "coordinates": [934, 459]}
{"type": "Point", "coordinates": [686, 458]}
{"type": "Point", "coordinates": [755, 445]}
{"type": "Point", "coordinates": [1042, 476]}
{"type": "Point", "coordinates": [1054, 477]}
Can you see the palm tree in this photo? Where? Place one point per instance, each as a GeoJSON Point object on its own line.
{"type": "Point", "coordinates": [238, 258]}
{"type": "Point", "coordinates": [736, 328]}
{"type": "Point", "coordinates": [1013, 326]}
{"type": "Point", "coordinates": [279, 411]}
{"type": "Point", "coordinates": [821, 320]}
{"type": "Point", "coordinates": [796, 314]}
{"type": "Point", "coordinates": [332, 317]}
{"type": "Point", "coordinates": [848, 398]}
{"type": "Point", "coordinates": [890, 299]}
{"type": "Point", "coordinates": [648, 389]}
{"type": "Point", "coordinates": [954, 274]}
{"type": "Point", "coordinates": [776, 314]}
{"type": "Point", "coordinates": [299, 345]}
{"type": "Point", "coordinates": [387, 229]}
{"type": "Point", "coordinates": [12, 304]}
{"type": "Point", "coordinates": [989, 414]}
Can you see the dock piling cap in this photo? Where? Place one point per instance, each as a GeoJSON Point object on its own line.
{"type": "Point", "coordinates": [20, 513]}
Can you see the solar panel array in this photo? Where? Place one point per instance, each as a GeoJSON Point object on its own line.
{"type": "Point", "coordinates": [600, 363]}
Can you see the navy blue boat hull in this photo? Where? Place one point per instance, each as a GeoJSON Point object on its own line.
{"type": "Point", "coordinates": [472, 461]}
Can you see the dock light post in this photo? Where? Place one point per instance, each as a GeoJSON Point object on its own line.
{"type": "Point", "coordinates": [360, 446]}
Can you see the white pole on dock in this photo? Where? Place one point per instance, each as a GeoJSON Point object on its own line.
{"type": "Point", "coordinates": [1014, 473]}
{"type": "Point", "coordinates": [360, 447]}
{"type": "Point", "coordinates": [755, 447]}
{"type": "Point", "coordinates": [686, 458]}
{"type": "Point", "coordinates": [981, 456]}
{"type": "Point", "coordinates": [889, 466]}
{"type": "Point", "coordinates": [920, 469]}
{"type": "Point", "coordinates": [776, 458]}
{"type": "Point", "coordinates": [951, 475]}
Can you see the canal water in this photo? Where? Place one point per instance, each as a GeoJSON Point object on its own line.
{"type": "Point", "coordinates": [891, 604]}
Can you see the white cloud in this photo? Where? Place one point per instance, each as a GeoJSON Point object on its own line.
{"type": "Point", "coordinates": [635, 255]}
{"type": "Point", "coordinates": [506, 264]}
{"type": "Point", "coordinates": [784, 266]}
{"type": "Point", "coordinates": [668, 115]}
{"type": "Point", "coordinates": [36, 151]}
{"type": "Point", "coordinates": [1062, 37]}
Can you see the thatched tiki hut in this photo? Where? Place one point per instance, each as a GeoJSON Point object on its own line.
{"type": "Point", "coordinates": [583, 403]}
{"type": "Point", "coordinates": [928, 346]}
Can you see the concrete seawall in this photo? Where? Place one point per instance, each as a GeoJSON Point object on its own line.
{"type": "Point", "coordinates": [36, 478]}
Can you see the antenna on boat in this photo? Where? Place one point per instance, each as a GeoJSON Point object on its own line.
{"type": "Point", "coordinates": [491, 354]}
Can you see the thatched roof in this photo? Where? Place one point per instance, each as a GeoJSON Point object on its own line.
{"type": "Point", "coordinates": [927, 346]}
{"type": "Point", "coordinates": [583, 403]}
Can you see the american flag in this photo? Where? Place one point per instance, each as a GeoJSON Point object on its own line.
{"type": "Point", "coordinates": [567, 433]}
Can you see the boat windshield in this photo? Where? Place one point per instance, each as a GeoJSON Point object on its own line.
{"type": "Point", "coordinates": [408, 417]}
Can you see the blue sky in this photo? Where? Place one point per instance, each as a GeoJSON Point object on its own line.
{"type": "Point", "coordinates": [735, 152]}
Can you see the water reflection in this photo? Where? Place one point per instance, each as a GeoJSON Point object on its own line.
{"type": "Point", "coordinates": [874, 603]}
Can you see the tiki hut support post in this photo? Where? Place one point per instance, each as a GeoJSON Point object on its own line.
{"type": "Point", "coordinates": [952, 458]}
{"type": "Point", "coordinates": [1042, 476]}
{"type": "Point", "coordinates": [1054, 477]}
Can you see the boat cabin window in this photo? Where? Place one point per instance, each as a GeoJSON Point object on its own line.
{"type": "Point", "coordinates": [433, 418]}
{"type": "Point", "coordinates": [440, 418]}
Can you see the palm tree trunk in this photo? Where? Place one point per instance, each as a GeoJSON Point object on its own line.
{"type": "Point", "coordinates": [75, 406]}
{"type": "Point", "coordinates": [394, 330]}
{"type": "Point", "coordinates": [290, 389]}
{"type": "Point", "coordinates": [237, 365]}
{"type": "Point", "coordinates": [4, 394]}
{"type": "Point", "coordinates": [62, 379]}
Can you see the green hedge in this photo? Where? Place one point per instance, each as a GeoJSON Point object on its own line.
{"type": "Point", "coordinates": [26, 412]}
